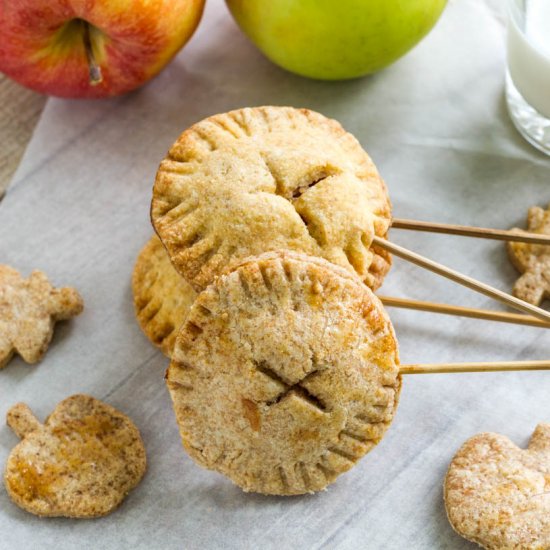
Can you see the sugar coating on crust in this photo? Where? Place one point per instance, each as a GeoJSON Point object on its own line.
{"type": "Point", "coordinates": [161, 296]}
{"type": "Point", "coordinates": [254, 180]}
{"type": "Point", "coordinates": [80, 463]}
{"type": "Point", "coordinates": [533, 260]}
{"type": "Point", "coordinates": [284, 374]}
{"type": "Point", "coordinates": [498, 495]}
{"type": "Point", "coordinates": [29, 309]}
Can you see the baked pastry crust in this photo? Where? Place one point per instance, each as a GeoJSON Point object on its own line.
{"type": "Point", "coordinates": [533, 260]}
{"type": "Point", "coordinates": [284, 374]}
{"type": "Point", "coordinates": [162, 297]}
{"type": "Point", "coordinates": [80, 463]}
{"type": "Point", "coordinates": [255, 180]}
{"type": "Point", "coordinates": [29, 309]}
{"type": "Point", "coordinates": [498, 495]}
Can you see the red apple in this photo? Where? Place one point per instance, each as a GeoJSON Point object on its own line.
{"type": "Point", "coordinates": [92, 48]}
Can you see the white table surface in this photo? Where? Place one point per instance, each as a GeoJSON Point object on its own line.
{"type": "Point", "coordinates": [436, 125]}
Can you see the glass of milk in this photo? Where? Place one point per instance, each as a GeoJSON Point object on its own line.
{"type": "Point", "coordinates": [528, 76]}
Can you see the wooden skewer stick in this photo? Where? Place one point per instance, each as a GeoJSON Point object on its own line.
{"type": "Point", "coordinates": [433, 307]}
{"type": "Point", "coordinates": [464, 280]}
{"type": "Point", "coordinates": [467, 231]}
{"type": "Point", "coordinates": [496, 366]}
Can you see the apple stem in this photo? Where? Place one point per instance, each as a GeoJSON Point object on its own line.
{"type": "Point", "coordinates": [94, 69]}
{"type": "Point", "coordinates": [21, 420]}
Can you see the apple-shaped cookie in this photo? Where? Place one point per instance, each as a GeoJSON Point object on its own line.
{"type": "Point", "coordinates": [80, 463]}
{"type": "Point", "coordinates": [498, 495]}
{"type": "Point", "coordinates": [92, 49]}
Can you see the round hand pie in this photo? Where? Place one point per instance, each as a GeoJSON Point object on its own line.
{"type": "Point", "coordinates": [261, 179]}
{"type": "Point", "coordinates": [284, 374]}
{"type": "Point", "coordinates": [162, 297]}
{"type": "Point", "coordinates": [80, 463]}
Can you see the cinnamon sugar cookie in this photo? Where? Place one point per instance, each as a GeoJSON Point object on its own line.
{"type": "Point", "coordinates": [498, 495]}
{"type": "Point", "coordinates": [80, 463]}
{"type": "Point", "coordinates": [254, 180]}
{"type": "Point", "coordinates": [162, 297]}
{"type": "Point", "coordinates": [29, 309]}
{"type": "Point", "coordinates": [533, 260]}
{"type": "Point", "coordinates": [284, 374]}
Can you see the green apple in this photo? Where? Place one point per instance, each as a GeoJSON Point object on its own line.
{"type": "Point", "coordinates": [335, 39]}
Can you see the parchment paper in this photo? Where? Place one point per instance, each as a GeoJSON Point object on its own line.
{"type": "Point", "coordinates": [435, 124]}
